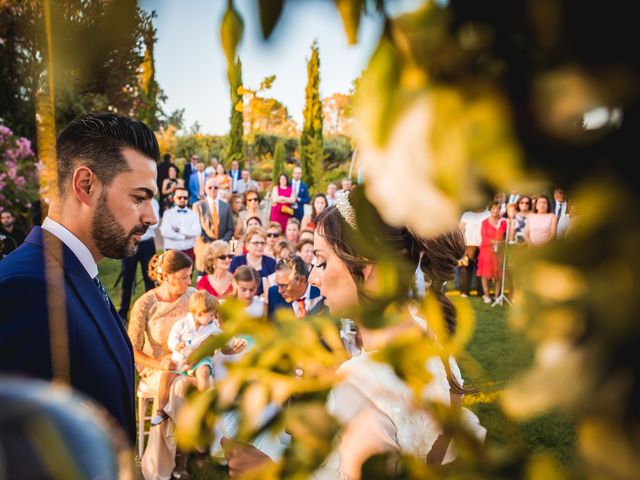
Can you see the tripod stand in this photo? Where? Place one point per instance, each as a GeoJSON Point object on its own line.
{"type": "Point", "coordinates": [502, 297]}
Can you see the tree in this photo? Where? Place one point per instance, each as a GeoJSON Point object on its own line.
{"type": "Point", "coordinates": [335, 113]}
{"type": "Point", "coordinates": [278, 160]}
{"type": "Point", "coordinates": [234, 148]}
{"type": "Point", "coordinates": [97, 50]}
{"type": "Point", "coordinates": [312, 128]}
{"type": "Point", "coordinates": [149, 110]}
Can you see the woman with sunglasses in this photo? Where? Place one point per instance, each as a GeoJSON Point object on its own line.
{"type": "Point", "coordinates": [218, 280]}
{"type": "Point", "coordinates": [523, 209]}
{"type": "Point", "coordinates": [252, 209]}
{"type": "Point", "coordinates": [274, 233]}
{"type": "Point", "coordinates": [254, 242]}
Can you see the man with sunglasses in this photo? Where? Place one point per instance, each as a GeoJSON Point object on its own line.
{"type": "Point", "coordinates": [180, 225]}
{"type": "Point", "coordinates": [215, 220]}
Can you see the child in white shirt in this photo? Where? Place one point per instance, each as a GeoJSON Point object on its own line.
{"type": "Point", "coordinates": [187, 335]}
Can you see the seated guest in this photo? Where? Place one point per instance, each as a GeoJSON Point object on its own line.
{"type": "Point", "coordinates": [274, 232]}
{"type": "Point", "coordinates": [292, 231]}
{"type": "Point", "coordinates": [254, 242]}
{"type": "Point", "coordinates": [283, 249]}
{"type": "Point", "coordinates": [180, 225]}
{"type": "Point", "coordinates": [293, 290]}
{"type": "Point", "coordinates": [247, 281]}
{"type": "Point", "coordinates": [306, 235]}
{"type": "Point", "coordinates": [218, 281]}
{"type": "Point", "coordinates": [305, 252]}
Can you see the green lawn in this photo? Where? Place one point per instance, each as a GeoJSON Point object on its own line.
{"type": "Point", "coordinates": [495, 355]}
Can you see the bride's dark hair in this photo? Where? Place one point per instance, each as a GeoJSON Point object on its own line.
{"type": "Point", "coordinates": [375, 241]}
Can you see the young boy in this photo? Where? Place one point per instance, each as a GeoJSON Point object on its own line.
{"type": "Point", "coordinates": [187, 335]}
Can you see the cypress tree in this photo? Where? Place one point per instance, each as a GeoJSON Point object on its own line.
{"type": "Point", "coordinates": [312, 128]}
{"type": "Point", "coordinates": [149, 88]}
{"type": "Point", "coordinates": [278, 160]}
{"type": "Point", "coordinates": [233, 148]}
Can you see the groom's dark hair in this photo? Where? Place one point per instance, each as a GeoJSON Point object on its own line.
{"type": "Point", "coordinates": [97, 141]}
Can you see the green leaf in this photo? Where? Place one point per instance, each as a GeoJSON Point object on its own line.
{"type": "Point", "coordinates": [231, 33]}
{"type": "Point", "coordinates": [350, 11]}
{"type": "Point", "coordinates": [270, 11]}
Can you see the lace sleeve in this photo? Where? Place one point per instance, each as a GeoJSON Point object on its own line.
{"type": "Point", "coordinates": [138, 320]}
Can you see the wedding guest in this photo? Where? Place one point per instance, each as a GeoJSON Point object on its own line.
{"type": "Point", "coordinates": [252, 209]}
{"type": "Point", "coordinates": [246, 183]}
{"type": "Point", "coordinates": [254, 241]}
{"type": "Point", "coordinates": [306, 235]}
{"type": "Point", "coordinates": [471, 226]}
{"type": "Point", "coordinates": [169, 185]}
{"type": "Point", "coordinates": [234, 173]}
{"type": "Point", "coordinates": [293, 290]}
{"type": "Point", "coordinates": [292, 231]}
{"type": "Point", "coordinates": [318, 204]}
{"type": "Point", "coordinates": [300, 193]}
{"type": "Point", "coordinates": [282, 199]}
{"type": "Point", "coordinates": [346, 185]}
{"type": "Point", "coordinates": [197, 183]}
{"type": "Point", "coordinates": [541, 223]}
{"type": "Point", "coordinates": [305, 252]}
{"type": "Point", "coordinates": [332, 188]}
{"type": "Point", "coordinates": [223, 179]}
{"type": "Point", "coordinates": [180, 225]}
{"type": "Point", "coordinates": [565, 223]}
{"type": "Point", "coordinates": [523, 210]}
{"type": "Point", "coordinates": [212, 168]}
{"type": "Point", "coordinates": [190, 169]}
{"type": "Point", "coordinates": [274, 233]}
{"type": "Point", "coordinates": [237, 204]}
{"type": "Point", "coordinates": [146, 250]}
{"type": "Point", "coordinates": [163, 173]}
{"type": "Point", "coordinates": [218, 281]}
{"type": "Point", "coordinates": [248, 279]}
{"type": "Point", "coordinates": [492, 233]}
{"type": "Point", "coordinates": [283, 249]}
{"type": "Point", "coordinates": [559, 203]}
{"type": "Point", "coordinates": [13, 236]}
{"type": "Point", "coordinates": [152, 317]}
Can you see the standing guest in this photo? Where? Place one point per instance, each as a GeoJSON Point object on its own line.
{"type": "Point", "coordinates": [471, 225]}
{"type": "Point", "coordinates": [224, 180]}
{"type": "Point", "coordinates": [283, 249]}
{"type": "Point", "coordinates": [318, 204]}
{"type": "Point", "coordinates": [246, 183]}
{"type": "Point", "coordinates": [300, 193]}
{"type": "Point", "coordinates": [501, 198]}
{"type": "Point", "coordinates": [274, 232]}
{"type": "Point", "coordinates": [163, 169]}
{"type": "Point", "coordinates": [169, 186]}
{"type": "Point", "coordinates": [292, 231]}
{"type": "Point", "coordinates": [332, 188]}
{"type": "Point", "coordinates": [492, 232]}
{"type": "Point", "coordinates": [252, 208]}
{"type": "Point", "coordinates": [293, 290]}
{"type": "Point", "coordinates": [215, 221]}
{"type": "Point", "coordinates": [212, 168]}
{"type": "Point", "coordinates": [218, 281]}
{"type": "Point", "coordinates": [523, 209]}
{"type": "Point", "coordinates": [197, 183]}
{"type": "Point", "coordinates": [305, 252]}
{"type": "Point", "coordinates": [106, 174]}
{"type": "Point", "coordinates": [254, 242]}
{"type": "Point", "coordinates": [513, 197]}
{"type": "Point", "coordinates": [190, 168]}
{"type": "Point", "coordinates": [247, 279]}
{"type": "Point", "coordinates": [234, 173]}
{"type": "Point", "coordinates": [346, 185]}
{"type": "Point", "coordinates": [152, 317]}
{"type": "Point", "coordinates": [282, 199]}
{"type": "Point", "coordinates": [565, 222]}
{"type": "Point", "coordinates": [237, 204]}
{"type": "Point", "coordinates": [559, 204]}
{"type": "Point", "coordinates": [13, 236]}
{"type": "Point", "coordinates": [180, 225]}
{"type": "Point", "coordinates": [146, 250]}
{"type": "Point", "coordinates": [541, 224]}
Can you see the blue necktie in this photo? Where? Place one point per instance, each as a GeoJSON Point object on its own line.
{"type": "Point", "coordinates": [182, 210]}
{"type": "Point", "coordinates": [103, 291]}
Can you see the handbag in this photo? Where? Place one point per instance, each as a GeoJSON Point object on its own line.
{"type": "Point", "coordinates": [286, 210]}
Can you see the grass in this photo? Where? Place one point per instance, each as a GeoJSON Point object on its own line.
{"type": "Point", "coordinates": [495, 355]}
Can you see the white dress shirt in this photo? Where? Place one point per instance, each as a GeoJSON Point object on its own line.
{"type": "Point", "coordinates": [561, 209]}
{"type": "Point", "coordinates": [74, 244]}
{"type": "Point", "coordinates": [188, 228]}
{"type": "Point", "coordinates": [295, 185]}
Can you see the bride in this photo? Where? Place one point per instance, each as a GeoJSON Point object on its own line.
{"type": "Point", "coordinates": [377, 409]}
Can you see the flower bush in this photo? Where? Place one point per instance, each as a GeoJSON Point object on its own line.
{"type": "Point", "coordinates": [18, 175]}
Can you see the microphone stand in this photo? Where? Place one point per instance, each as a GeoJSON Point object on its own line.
{"type": "Point", "coordinates": [502, 297]}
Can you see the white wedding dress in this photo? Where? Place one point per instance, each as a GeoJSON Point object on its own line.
{"type": "Point", "coordinates": [378, 414]}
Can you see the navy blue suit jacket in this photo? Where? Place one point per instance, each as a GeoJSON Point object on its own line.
{"type": "Point", "coordinates": [100, 354]}
{"type": "Point", "coordinates": [276, 301]}
{"type": "Point", "coordinates": [303, 195]}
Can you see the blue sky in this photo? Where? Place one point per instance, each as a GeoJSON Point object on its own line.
{"type": "Point", "coordinates": [190, 65]}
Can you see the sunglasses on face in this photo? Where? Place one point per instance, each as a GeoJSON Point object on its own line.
{"type": "Point", "coordinates": [252, 200]}
{"type": "Point", "coordinates": [525, 203]}
{"type": "Point", "coordinates": [228, 256]}
{"type": "Point", "coordinates": [181, 198]}
{"type": "Point", "coordinates": [273, 235]}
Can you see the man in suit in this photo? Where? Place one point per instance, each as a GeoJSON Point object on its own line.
{"type": "Point", "coordinates": [559, 203]}
{"type": "Point", "coordinates": [62, 324]}
{"type": "Point", "coordinates": [189, 169]}
{"type": "Point", "coordinates": [234, 173]}
{"type": "Point", "coordinates": [215, 219]}
{"type": "Point", "coordinates": [293, 290]}
{"type": "Point", "coordinates": [196, 184]}
{"type": "Point", "coordinates": [301, 191]}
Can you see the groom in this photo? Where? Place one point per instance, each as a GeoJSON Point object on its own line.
{"type": "Point", "coordinates": [106, 180]}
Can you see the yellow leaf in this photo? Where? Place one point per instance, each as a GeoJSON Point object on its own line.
{"type": "Point", "coordinates": [231, 33]}
{"type": "Point", "coordinates": [350, 11]}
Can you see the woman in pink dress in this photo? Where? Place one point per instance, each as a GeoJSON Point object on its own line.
{"type": "Point", "coordinates": [541, 224]}
{"type": "Point", "coordinates": [492, 232]}
{"type": "Point", "coordinates": [282, 197]}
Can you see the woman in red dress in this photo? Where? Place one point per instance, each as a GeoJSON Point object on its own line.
{"type": "Point", "coordinates": [492, 232]}
{"type": "Point", "coordinates": [282, 197]}
{"type": "Point", "coordinates": [218, 281]}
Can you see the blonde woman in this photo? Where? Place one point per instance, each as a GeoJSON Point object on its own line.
{"type": "Point", "coordinates": [218, 281]}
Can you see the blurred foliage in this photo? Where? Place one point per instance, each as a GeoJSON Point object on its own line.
{"type": "Point", "coordinates": [311, 144]}
{"type": "Point", "coordinates": [234, 146]}
{"type": "Point", "coordinates": [278, 161]}
{"type": "Point", "coordinates": [151, 95]}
